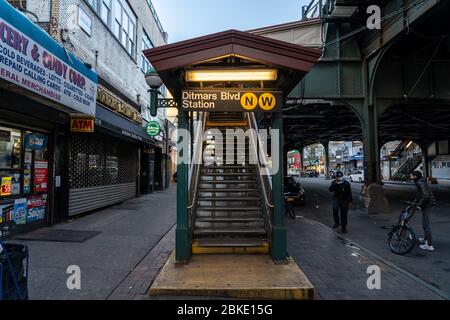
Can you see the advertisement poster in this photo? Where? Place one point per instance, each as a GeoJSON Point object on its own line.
{"type": "Point", "coordinates": [34, 141]}
{"type": "Point", "coordinates": [15, 186]}
{"type": "Point", "coordinates": [26, 181]}
{"type": "Point", "coordinates": [6, 212]}
{"type": "Point", "coordinates": [36, 208]}
{"type": "Point", "coordinates": [6, 186]}
{"type": "Point", "coordinates": [20, 211]}
{"type": "Point", "coordinates": [28, 157]}
{"type": "Point", "coordinates": [6, 219]}
{"type": "Point", "coordinates": [40, 176]}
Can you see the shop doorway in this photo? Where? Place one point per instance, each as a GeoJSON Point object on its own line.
{"type": "Point", "coordinates": [148, 171]}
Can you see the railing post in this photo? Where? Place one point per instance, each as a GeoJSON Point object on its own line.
{"type": "Point", "coordinates": [182, 240]}
{"type": "Point", "coordinates": [278, 248]}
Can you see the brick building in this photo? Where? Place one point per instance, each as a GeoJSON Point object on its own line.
{"type": "Point", "coordinates": [119, 160]}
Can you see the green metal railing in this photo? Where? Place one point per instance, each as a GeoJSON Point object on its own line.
{"type": "Point", "coordinates": [194, 173]}
{"type": "Point", "coordinates": [264, 182]}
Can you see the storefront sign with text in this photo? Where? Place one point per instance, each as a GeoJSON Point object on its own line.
{"type": "Point", "coordinates": [82, 124]}
{"type": "Point", "coordinates": [27, 64]}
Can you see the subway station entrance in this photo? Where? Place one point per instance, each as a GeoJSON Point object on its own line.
{"type": "Point", "coordinates": [230, 173]}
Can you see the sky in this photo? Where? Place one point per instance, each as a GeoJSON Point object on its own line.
{"type": "Point", "coordinates": [185, 19]}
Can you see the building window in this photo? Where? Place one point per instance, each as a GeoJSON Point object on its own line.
{"type": "Point", "coordinates": [119, 18]}
{"type": "Point", "coordinates": [146, 44]}
{"type": "Point", "coordinates": [105, 11]}
{"type": "Point", "coordinates": [93, 4]}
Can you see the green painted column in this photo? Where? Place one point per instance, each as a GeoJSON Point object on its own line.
{"type": "Point", "coordinates": [182, 237]}
{"type": "Point", "coordinates": [278, 248]}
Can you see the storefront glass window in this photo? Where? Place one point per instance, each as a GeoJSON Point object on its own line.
{"type": "Point", "coordinates": [23, 178]}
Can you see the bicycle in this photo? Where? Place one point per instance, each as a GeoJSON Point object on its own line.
{"type": "Point", "coordinates": [288, 208]}
{"type": "Point", "coordinates": [402, 238]}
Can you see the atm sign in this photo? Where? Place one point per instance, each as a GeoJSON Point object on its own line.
{"type": "Point", "coordinates": [81, 124]}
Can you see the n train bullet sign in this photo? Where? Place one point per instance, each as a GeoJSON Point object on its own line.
{"type": "Point", "coordinates": [81, 124]}
{"type": "Point", "coordinates": [231, 100]}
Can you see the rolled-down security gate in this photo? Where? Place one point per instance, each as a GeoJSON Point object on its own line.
{"type": "Point", "coordinates": [103, 171]}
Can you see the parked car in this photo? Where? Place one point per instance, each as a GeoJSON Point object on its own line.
{"type": "Point", "coordinates": [293, 189]}
{"type": "Point", "coordinates": [357, 176]}
{"type": "Point", "coordinates": [311, 174]}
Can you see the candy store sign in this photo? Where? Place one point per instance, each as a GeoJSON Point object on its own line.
{"type": "Point", "coordinates": [27, 64]}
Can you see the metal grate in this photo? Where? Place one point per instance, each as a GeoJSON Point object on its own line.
{"type": "Point", "coordinates": [99, 160]}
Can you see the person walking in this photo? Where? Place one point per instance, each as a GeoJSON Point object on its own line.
{"type": "Point", "coordinates": [342, 199]}
{"type": "Point", "coordinates": [425, 201]}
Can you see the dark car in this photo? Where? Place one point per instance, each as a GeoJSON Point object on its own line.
{"type": "Point", "coordinates": [311, 174]}
{"type": "Point", "coordinates": [293, 189]}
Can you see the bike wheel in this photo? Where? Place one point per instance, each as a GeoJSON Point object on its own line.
{"type": "Point", "coordinates": [402, 240]}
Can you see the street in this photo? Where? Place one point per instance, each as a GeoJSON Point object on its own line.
{"type": "Point", "coordinates": [370, 231]}
{"type": "Point", "coordinates": [135, 241]}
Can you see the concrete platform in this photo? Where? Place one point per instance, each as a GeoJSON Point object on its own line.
{"type": "Point", "coordinates": [233, 276]}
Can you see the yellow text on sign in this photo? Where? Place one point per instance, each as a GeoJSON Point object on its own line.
{"type": "Point", "coordinates": [249, 101]}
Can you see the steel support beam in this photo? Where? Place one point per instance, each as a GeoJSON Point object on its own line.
{"type": "Point", "coordinates": [326, 146]}
{"type": "Point", "coordinates": [182, 241]}
{"type": "Point", "coordinates": [278, 248]}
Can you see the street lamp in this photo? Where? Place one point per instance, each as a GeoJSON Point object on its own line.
{"type": "Point", "coordinates": [154, 82]}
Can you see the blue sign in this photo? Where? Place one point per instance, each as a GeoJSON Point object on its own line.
{"type": "Point", "coordinates": [35, 141]}
{"type": "Point", "coordinates": [31, 59]}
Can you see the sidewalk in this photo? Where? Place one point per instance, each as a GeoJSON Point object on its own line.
{"type": "Point", "coordinates": [338, 269]}
{"type": "Point", "coordinates": [129, 231]}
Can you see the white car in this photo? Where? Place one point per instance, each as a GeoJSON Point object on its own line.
{"type": "Point", "coordinates": [357, 176]}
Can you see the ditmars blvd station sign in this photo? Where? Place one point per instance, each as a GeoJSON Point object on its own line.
{"type": "Point", "coordinates": [231, 100]}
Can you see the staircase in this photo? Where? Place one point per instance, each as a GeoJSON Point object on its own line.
{"type": "Point", "coordinates": [228, 213]}
{"type": "Point", "coordinates": [407, 168]}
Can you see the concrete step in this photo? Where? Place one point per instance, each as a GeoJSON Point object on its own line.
{"type": "Point", "coordinates": [229, 167]}
{"type": "Point", "coordinates": [229, 219]}
{"type": "Point", "coordinates": [215, 198]}
{"type": "Point", "coordinates": [242, 231]}
{"type": "Point", "coordinates": [227, 181]}
{"type": "Point", "coordinates": [231, 242]}
{"type": "Point", "coordinates": [231, 190]}
{"type": "Point", "coordinates": [206, 174]}
{"type": "Point", "coordinates": [228, 208]}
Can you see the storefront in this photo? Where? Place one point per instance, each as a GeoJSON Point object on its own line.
{"type": "Point", "coordinates": [41, 84]}
{"type": "Point", "coordinates": [114, 162]}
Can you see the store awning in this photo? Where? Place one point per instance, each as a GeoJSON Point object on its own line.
{"type": "Point", "coordinates": [33, 62]}
{"type": "Point", "coordinates": [122, 127]}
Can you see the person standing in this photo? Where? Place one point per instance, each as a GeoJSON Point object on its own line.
{"type": "Point", "coordinates": [426, 202]}
{"type": "Point", "coordinates": [342, 199]}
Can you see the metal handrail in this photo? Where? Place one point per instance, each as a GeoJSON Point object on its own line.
{"type": "Point", "coordinates": [267, 204]}
{"type": "Point", "coordinates": [194, 172]}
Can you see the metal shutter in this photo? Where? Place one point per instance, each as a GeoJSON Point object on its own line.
{"type": "Point", "coordinates": [102, 172]}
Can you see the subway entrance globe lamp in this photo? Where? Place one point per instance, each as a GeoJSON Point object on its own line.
{"type": "Point", "coordinates": [154, 82]}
